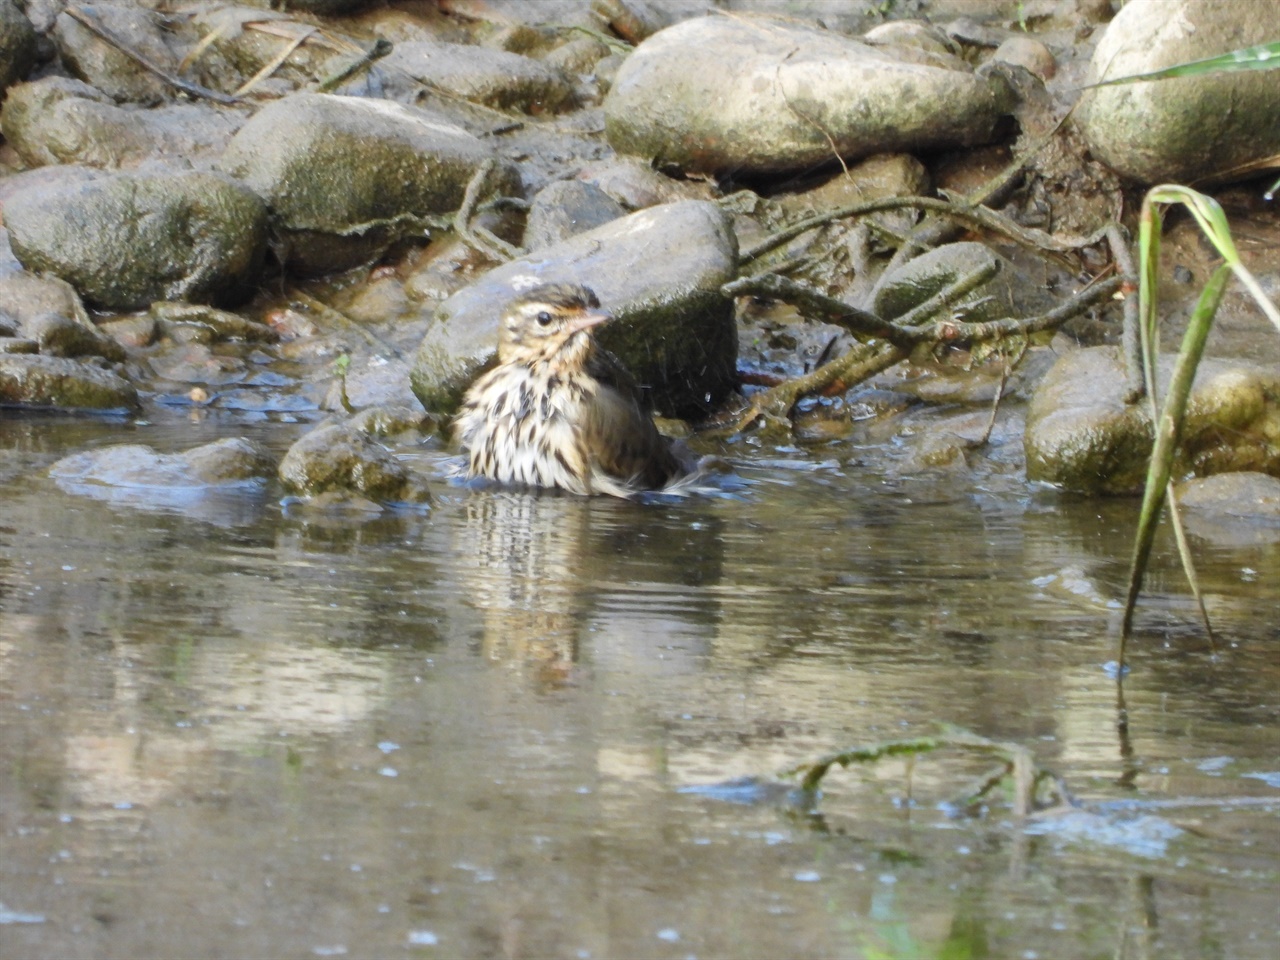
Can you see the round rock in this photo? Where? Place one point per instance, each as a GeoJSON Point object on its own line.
{"type": "Point", "coordinates": [565, 208]}
{"type": "Point", "coordinates": [659, 271]}
{"type": "Point", "coordinates": [337, 458]}
{"type": "Point", "coordinates": [59, 120]}
{"type": "Point", "coordinates": [345, 177]}
{"type": "Point", "coordinates": [1186, 129]}
{"type": "Point", "coordinates": [128, 239]}
{"type": "Point", "coordinates": [1082, 436]}
{"type": "Point", "coordinates": [106, 65]}
{"type": "Point", "coordinates": [785, 97]}
{"type": "Point", "coordinates": [496, 78]}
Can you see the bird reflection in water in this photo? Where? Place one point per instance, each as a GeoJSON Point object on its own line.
{"type": "Point", "coordinates": [522, 566]}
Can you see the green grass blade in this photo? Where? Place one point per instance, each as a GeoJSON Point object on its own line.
{"type": "Point", "coordinates": [1266, 56]}
{"type": "Point", "coordinates": [1166, 441]}
{"type": "Point", "coordinates": [1188, 564]}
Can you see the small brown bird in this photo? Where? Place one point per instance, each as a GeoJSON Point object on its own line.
{"type": "Point", "coordinates": [559, 410]}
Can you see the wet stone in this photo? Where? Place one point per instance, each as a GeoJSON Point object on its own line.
{"type": "Point", "coordinates": [1082, 436]}
{"type": "Point", "coordinates": [126, 240]}
{"type": "Point", "coordinates": [18, 345]}
{"type": "Point", "coordinates": [496, 78]}
{"type": "Point", "coordinates": [1004, 295]}
{"type": "Point", "coordinates": [1232, 509]}
{"type": "Point", "coordinates": [105, 65]}
{"type": "Point", "coordinates": [39, 381]}
{"type": "Point", "coordinates": [196, 363]}
{"type": "Point", "coordinates": [399, 169]}
{"type": "Point", "coordinates": [59, 120]}
{"type": "Point", "coordinates": [132, 332]}
{"type": "Point", "coordinates": [1248, 495]}
{"type": "Point", "coordinates": [336, 458]}
{"type": "Point", "coordinates": [26, 296]}
{"type": "Point", "coordinates": [565, 208]}
{"type": "Point", "coordinates": [230, 461]}
{"type": "Point", "coordinates": [60, 336]}
{"type": "Point", "coordinates": [673, 330]}
{"type": "Point", "coordinates": [389, 420]}
{"type": "Point", "coordinates": [221, 324]}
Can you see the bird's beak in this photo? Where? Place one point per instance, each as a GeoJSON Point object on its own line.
{"type": "Point", "coordinates": [586, 322]}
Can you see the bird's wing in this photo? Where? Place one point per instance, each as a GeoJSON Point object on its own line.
{"type": "Point", "coordinates": [619, 434]}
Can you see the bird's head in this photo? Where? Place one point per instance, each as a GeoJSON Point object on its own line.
{"type": "Point", "coordinates": [553, 319]}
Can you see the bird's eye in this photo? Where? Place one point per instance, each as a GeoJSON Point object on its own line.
{"type": "Point", "coordinates": [543, 318]}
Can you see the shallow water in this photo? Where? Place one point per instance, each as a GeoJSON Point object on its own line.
{"type": "Point", "coordinates": [502, 727]}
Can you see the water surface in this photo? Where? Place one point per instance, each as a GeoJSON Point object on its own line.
{"type": "Point", "coordinates": [229, 728]}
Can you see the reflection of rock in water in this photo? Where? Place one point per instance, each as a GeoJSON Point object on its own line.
{"type": "Point", "coordinates": [520, 562]}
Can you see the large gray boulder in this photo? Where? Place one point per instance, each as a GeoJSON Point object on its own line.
{"type": "Point", "coordinates": [783, 96]}
{"type": "Point", "coordinates": [659, 271]}
{"type": "Point", "coordinates": [345, 177]}
{"type": "Point", "coordinates": [1186, 129]}
{"type": "Point", "coordinates": [1082, 436]}
{"type": "Point", "coordinates": [125, 240]}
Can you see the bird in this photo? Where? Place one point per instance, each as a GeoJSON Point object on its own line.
{"type": "Point", "coordinates": [559, 410]}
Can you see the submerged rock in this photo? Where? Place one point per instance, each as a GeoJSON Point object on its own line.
{"type": "Point", "coordinates": [1247, 495]}
{"type": "Point", "coordinates": [345, 177]}
{"type": "Point", "coordinates": [783, 96]}
{"type": "Point", "coordinates": [1240, 509]}
{"type": "Point", "coordinates": [221, 324]}
{"type": "Point", "coordinates": [1186, 129]}
{"type": "Point", "coordinates": [230, 461]}
{"type": "Point", "coordinates": [659, 271]}
{"type": "Point", "coordinates": [39, 381]}
{"type": "Point", "coordinates": [337, 458]}
{"type": "Point", "coordinates": [1082, 436]}
{"type": "Point", "coordinates": [127, 239]}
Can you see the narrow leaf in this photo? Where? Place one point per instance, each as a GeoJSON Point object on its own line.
{"type": "Point", "coordinates": [1263, 57]}
{"type": "Point", "coordinates": [1168, 431]}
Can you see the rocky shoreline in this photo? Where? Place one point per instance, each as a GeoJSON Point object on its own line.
{"type": "Point", "coordinates": [319, 210]}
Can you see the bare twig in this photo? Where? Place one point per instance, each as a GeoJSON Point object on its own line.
{"type": "Point", "coordinates": [274, 63]}
{"type": "Point", "coordinates": [479, 239]}
{"type": "Point", "coordinates": [194, 89]}
{"type": "Point", "coordinates": [380, 49]}
{"type": "Point", "coordinates": [1131, 342]}
{"type": "Point", "coordinates": [902, 335]}
{"type": "Point", "coordinates": [976, 216]}
{"type": "Point", "coordinates": [328, 315]}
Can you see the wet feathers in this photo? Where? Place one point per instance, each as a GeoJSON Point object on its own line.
{"type": "Point", "coordinates": [559, 410]}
